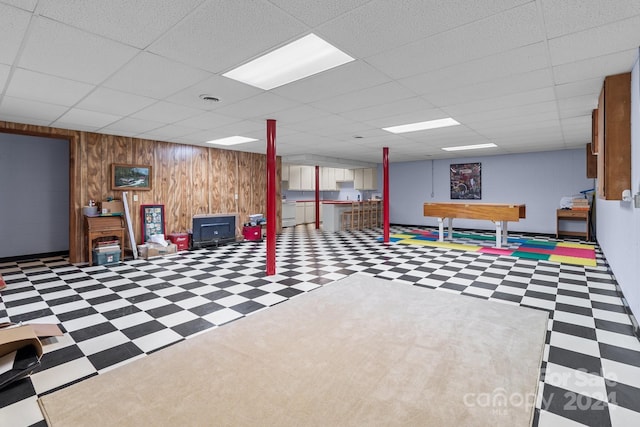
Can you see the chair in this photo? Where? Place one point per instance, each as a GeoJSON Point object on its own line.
{"type": "Point", "coordinates": [352, 218]}
{"type": "Point", "coordinates": [374, 218]}
{"type": "Point", "coordinates": [366, 214]}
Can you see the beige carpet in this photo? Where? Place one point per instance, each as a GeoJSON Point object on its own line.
{"type": "Point", "coordinates": [361, 351]}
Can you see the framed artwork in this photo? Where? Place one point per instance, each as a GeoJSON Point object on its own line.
{"type": "Point", "coordinates": [466, 181]}
{"type": "Point", "coordinates": [152, 219]}
{"type": "Point", "coordinates": [130, 177]}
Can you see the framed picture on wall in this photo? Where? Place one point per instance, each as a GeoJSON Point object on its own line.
{"type": "Point", "coordinates": [152, 220]}
{"type": "Point", "coordinates": [466, 181]}
{"type": "Point", "coordinates": [130, 177]}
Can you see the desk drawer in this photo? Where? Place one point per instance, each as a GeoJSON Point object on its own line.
{"type": "Point", "coordinates": [563, 213]}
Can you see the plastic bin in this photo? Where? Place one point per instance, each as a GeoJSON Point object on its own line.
{"type": "Point", "coordinates": [102, 258]}
{"type": "Point", "coordinates": [181, 240]}
{"type": "Point", "coordinates": [252, 232]}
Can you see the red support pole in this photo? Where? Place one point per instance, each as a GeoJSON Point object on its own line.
{"type": "Point", "coordinates": [385, 193]}
{"type": "Point", "coordinates": [317, 197]}
{"type": "Point", "coordinates": [271, 197]}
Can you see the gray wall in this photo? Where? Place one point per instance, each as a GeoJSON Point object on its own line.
{"type": "Point", "coordinates": [34, 195]}
{"type": "Point", "coordinates": [538, 180]}
{"type": "Point", "coordinates": [619, 222]}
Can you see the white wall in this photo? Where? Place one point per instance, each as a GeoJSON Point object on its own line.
{"type": "Point", "coordinates": [618, 222]}
{"type": "Point", "coordinates": [34, 195]}
{"type": "Point", "coordinates": [538, 180]}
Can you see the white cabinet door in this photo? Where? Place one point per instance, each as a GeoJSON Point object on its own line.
{"type": "Point", "coordinates": [358, 179]}
{"type": "Point", "coordinates": [338, 174]}
{"type": "Point", "coordinates": [307, 177]}
{"type": "Point", "coordinates": [294, 177]}
{"type": "Point", "coordinates": [309, 212]}
{"type": "Point", "coordinates": [300, 213]}
{"type": "Point", "coordinates": [348, 175]}
{"type": "Point", "coordinates": [328, 179]}
{"type": "Point", "coordinates": [285, 172]}
{"type": "Point", "coordinates": [370, 179]}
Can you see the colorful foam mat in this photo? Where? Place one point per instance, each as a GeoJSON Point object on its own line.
{"type": "Point", "coordinates": [562, 252]}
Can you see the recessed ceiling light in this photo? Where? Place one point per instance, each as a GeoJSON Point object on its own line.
{"type": "Point", "coordinates": [231, 140]}
{"type": "Point", "coordinates": [431, 124]}
{"type": "Point", "coordinates": [299, 59]}
{"type": "Point", "coordinates": [469, 147]}
{"type": "Point", "coordinates": [209, 98]}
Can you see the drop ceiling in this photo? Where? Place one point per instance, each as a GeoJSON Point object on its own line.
{"type": "Point", "coordinates": [524, 75]}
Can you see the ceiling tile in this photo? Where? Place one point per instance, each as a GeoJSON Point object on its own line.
{"type": "Point", "coordinates": [505, 31]}
{"type": "Point", "coordinates": [166, 112]}
{"type": "Point", "coordinates": [501, 102]}
{"type": "Point", "coordinates": [225, 34]}
{"type": "Point", "coordinates": [4, 75]}
{"type": "Point", "coordinates": [84, 119]}
{"type": "Point", "coordinates": [257, 107]}
{"type": "Point", "coordinates": [315, 13]}
{"type": "Point", "coordinates": [577, 106]}
{"type": "Point", "coordinates": [207, 120]}
{"type": "Point", "coordinates": [369, 97]}
{"type": "Point", "coordinates": [504, 64]}
{"type": "Point", "coordinates": [153, 76]}
{"type": "Point", "coordinates": [44, 88]}
{"type": "Point", "coordinates": [136, 23]}
{"type": "Point", "coordinates": [382, 25]}
{"type": "Point", "coordinates": [582, 87]}
{"type": "Point", "coordinates": [111, 101]}
{"type": "Point", "coordinates": [570, 16]}
{"type": "Point", "coordinates": [517, 83]}
{"type": "Point", "coordinates": [615, 37]}
{"type": "Point", "coordinates": [63, 51]}
{"type": "Point", "coordinates": [27, 108]}
{"type": "Point", "coordinates": [166, 133]}
{"type": "Point", "coordinates": [606, 65]}
{"type": "Point", "coordinates": [130, 126]}
{"type": "Point", "coordinates": [13, 26]}
{"type": "Point", "coordinates": [416, 109]}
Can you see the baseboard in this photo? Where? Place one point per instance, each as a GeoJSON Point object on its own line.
{"type": "Point", "coordinates": [34, 256]}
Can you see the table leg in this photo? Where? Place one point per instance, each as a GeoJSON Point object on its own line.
{"type": "Point", "coordinates": [505, 237]}
{"type": "Point", "coordinates": [440, 230]}
{"type": "Point", "coordinates": [450, 233]}
{"type": "Point", "coordinates": [498, 234]}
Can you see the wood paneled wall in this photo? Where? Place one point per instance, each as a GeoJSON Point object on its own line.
{"type": "Point", "coordinates": [187, 180]}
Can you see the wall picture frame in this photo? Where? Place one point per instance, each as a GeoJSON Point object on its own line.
{"type": "Point", "coordinates": [131, 177]}
{"type": "Point", "coordinates": [466, 181]}
{"type": "Point", "coordinates": [152, 221]}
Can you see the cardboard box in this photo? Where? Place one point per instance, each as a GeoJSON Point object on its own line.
{"type": "Point", "coordinates": [20, 352]}
{"type": "Point", "coordinates": [153, 250]}
{"type": "Point", "coordinates": [112, 207]}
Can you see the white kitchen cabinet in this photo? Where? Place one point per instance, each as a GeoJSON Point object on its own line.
{"type": "Point", "coordinates": [365, 179]}
{"type": "Point", "coordinates": [309, 212]}
{"type": "Point", "coordinates": [307, 178]}
{"type": "Point", "coordinates": [328, 179]}
{"type": "Point", "coordinates": [300, 213]}
{"type": "Point", "coordinates": [294, 177]}
{"type": "Point", "coordinates": [343, 175]}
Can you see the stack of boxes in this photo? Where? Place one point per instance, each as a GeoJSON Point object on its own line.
{"type": "Point", "coordinates": [580, 204]}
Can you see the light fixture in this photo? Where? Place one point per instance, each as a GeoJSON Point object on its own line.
{"type": "Point", "coordinates": [231, 140]}
{"type": "Point", "coordinates": [299, 59]}
{"type": "Point", "coordinates": [470, 147]}
{"type": "Point", "coordinates": [431, 124]}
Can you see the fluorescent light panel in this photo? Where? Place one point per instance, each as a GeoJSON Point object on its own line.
{"type": "Point", "coordinates": [299, 59]}
{"type": "Point", "coordinates": [431, 124]}
{"type": "Point", "coordinates": [470, 147]}
{"type": "Point", "coordinates": [231, 140]}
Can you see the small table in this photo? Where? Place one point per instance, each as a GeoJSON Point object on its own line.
{"type": "Point", "coordinates": [572, 215]}
{"type": "Point", "coordinates": [103, 226]}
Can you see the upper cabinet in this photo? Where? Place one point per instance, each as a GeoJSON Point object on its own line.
{"type": "Point", "coordinates": [365, 179]}
{"type": "Point", "coordinates": [285, 172]}
{"type": "Point", "coordinates": [328, 179]}
{"type": "Point", "coordinates": [613, 145]}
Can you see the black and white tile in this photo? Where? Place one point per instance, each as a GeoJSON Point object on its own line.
{"type": "Point", "coordinates": [112, 315]}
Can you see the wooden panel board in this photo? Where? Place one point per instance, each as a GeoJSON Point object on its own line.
{"type": "Point", "coordinates": [187, 179]}
{"type": "Point", "coordinates": [488, 211]}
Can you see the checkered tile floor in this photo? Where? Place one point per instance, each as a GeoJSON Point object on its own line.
{"type": "Point", "coordinates": [112, 315]}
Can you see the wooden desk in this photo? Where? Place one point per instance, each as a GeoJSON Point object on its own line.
{"type": "Point", "coordinates": [572, 215]}
{"type": "Point", "coordinates": [498, 213]}
{"type": "Point", "coordinates": [103, 226]}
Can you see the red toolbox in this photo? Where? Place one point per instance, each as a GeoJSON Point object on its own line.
{"type": "Point", "coordinates": [181, 240]}
{"type": "Point", "coordinates": [252, 232]}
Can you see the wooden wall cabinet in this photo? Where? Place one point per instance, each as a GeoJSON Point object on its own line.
{"type": "Point", "coordinates": [365, 179]}
{"type": "Point", "coordinates": [614, 137]}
